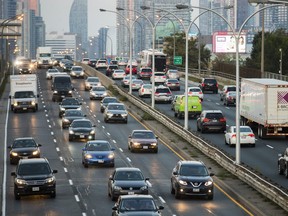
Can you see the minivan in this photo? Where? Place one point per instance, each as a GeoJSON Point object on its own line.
{"type": "Point", "coordinates": [194, 106]}
{"type": "Point", "coordinates": [61, 87]}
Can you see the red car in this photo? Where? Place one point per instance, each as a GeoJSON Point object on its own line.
{"type": "Point", "coordinates": [134, 70]}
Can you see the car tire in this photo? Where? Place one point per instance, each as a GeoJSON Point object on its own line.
{"type": "Point", "coordinates": [113, 198]}
{"type": "Point", "coordinates": [85, 165]}
{"type": "Point", "coordinates": [177, 194]}
{"type": "Point", "coordinates": [70, 138]}
{"type": "Point", "coordinates": [112, 165]}
{"type": "Point", "coordinates": [286, 172]}
{"type": "Point", "coordinates": [156, 151]}
{"type": "Point", "coordinates": [17, 196]}
{"type": "Point", "coordinates": [225, 141]}
{"type": "Point", "coordinates": [210, 197]}
{"type": "Point", "coordinates": [53, 195]}
{"type": "Point", "coordinates": [280, 171]}
{"type": "Point", "coordinates": [198, 129]}
{"type": "Point", "coordinates": [105, 120]}
{"type": "Point", "coordinates": [172, 190]}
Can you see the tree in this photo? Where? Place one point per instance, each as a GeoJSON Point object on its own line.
{"type": "Point", "coordinates": [192, 50]}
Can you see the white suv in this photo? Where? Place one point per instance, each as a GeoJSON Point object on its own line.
{"type": "Point", "coordinates": [160, 78]}
{"type": "Point", "coordinates": [163, 94]}
{"type": "Point", "coordinates": [101, 64]}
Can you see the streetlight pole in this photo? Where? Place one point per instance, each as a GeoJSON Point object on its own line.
{"type": "Point", "coordinates": [280, 61]}
{"type": "Point", "coordinates": [111, 44]}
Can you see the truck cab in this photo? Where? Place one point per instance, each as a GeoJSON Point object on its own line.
{"type": "Point", "coordinates": [194, 106]}
{"type": "Point", "coordinates": [44, 57]}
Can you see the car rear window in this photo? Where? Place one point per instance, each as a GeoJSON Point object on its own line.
{"type": "Point", "coordinates": [146, 70]}
{"type": "Point", "coordinates": [210, 81]}
{"type": "Point", "coordinates": [101, 61]}
{"type": "Point", "coordinates": [172, 81]}
{"type": "Point", "coordinates": [194, 90]}
{"type": "Point", "coordinates": [162, 90]}
{"type": "Point", "coordinates": [159, 74]}
{"type": "Point", "coordinates": [214, 115]}
{"type": "Point", "coordinates": [232, 88]}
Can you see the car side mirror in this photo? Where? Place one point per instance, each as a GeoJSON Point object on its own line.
{"type": "Point", "coordinates": [39, 145]}
{"type": "Point", "coordinates": [129, 136]}
{"type": "Point", "coordinates": [160, 207]}
{"type": "Point", "coordinates": [94, 125]}
{"type": "Point", "coordinates": [10, 96]}
{"type": "Point", "coordinates": [84, 115]}
{"type": "Point", "coordinates": [114, 208]}
{"type": "Point", "coordinates": [110, 177]}
{"type": "Point", "coordinates": [112, 149]}
{"type": "Point", "coordinates": [212, 174]}
{"type": "Point", "coordinates": [147, 179]}
{"type": "Point", "coordinates": [156, 137]}
{"type": "Point", "coordinates": [60, 103]}
{"type": "Point", "coordinates": [13, 173]}
{"type": "Point", "coordinates": [80, 103]}
{"type": "Point", "coordinates": [37, 95]}
{"type": "Point", "coordinates": [175, 173]}
{"type": "Point", "coordinates": [55, 171]}
{"type": "Point", "coordinates": [10, 147]}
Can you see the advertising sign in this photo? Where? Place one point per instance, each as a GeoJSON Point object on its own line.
{"type": "Point", "coordinates": [224, 42]}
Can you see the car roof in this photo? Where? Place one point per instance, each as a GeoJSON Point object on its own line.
{"type": "Point", "coordinates": [191, 162]}
{"type": "Point", "coordinates": [98, 141]}
{"type": "Point", "coordinates": [116, 103]}
{"type": "Point", "coordinates": [142, 131]}
{"type": "Point", "coordinates": [83, 119]}
{"type": "Point", "coordinates": [23, 138]}
{"type": "Point", "coordinates": [33, 160]}
{"type": "Point", "coordinates": [212, 111]}
{"type": "Point", "coordinates": [137, 196]}
{"type": "Point", "coordinates": [127, 169]}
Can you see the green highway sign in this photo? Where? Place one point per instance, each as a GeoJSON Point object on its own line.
{"type": "Point", "coordinates": [178, 60]}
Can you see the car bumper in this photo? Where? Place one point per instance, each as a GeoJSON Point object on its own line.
{"type": "Point", "coordinates": [129, 192]}
{"type": "Point", "coordinates": [195, 191]}
{"type": "Point", "coordinates": [35, 189]}
{"type": "Point", "coordinates": [82, 136]}
{"type": "Point", "coordinates": [99, 161]}
{"type": "Point", "coordinates": [214, 127]}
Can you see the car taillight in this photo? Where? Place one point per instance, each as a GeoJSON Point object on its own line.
{"type": "Point", "coordinates": [164, 77]}
{"type": "Point", "coordinates": [168, 83]}
{"type": "Point", "coordinates": [156, 93]}
{"type": "Point", "coordinates": [222, 120]}
{"type": "Point", "coordinates": [203, 84]}
{"type": "Point", "coordinates": [169, 93]}
{"type": "Point", "coordinates": [217, 85]}
{"type": "Point", "coordinates": [233, 136]}
{"type": "Point", "coordinates": [200, 92]}
{"type": "Point", "coordinates": [206, 120]}
{"type": "Point", "coordinates": [142, 90]}
{"type": "Point", "coordinates": [251, 135]}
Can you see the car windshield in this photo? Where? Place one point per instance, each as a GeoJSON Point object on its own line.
{"type": "Point", "coordinates": [146, 70]}
{"type": "Point", "coordinates": [129, 175]}
{"type": "Point", "coordinates": [34, 169]}
{"type": "Point", "coordinates": [243, 130]}
{"type": "Point", "coordinates": [77, 69]}
{"type": "Point", "coordinates": [116, 107]}
{"type": "Point", "coordinates": [138, 204]}
{"type": "Point", "coordinates": [193, 170]}
{"type": "Point", "coordinates": [109, 100]}
{"type": "Point", "coordinates": [73, 113]}
{"type": "Point", "coordinates": [26, 94]}
{"type": "Point", "coordinates": [24, 143]}
{"type": "Point", "coordinates": [172, 81]}
{"type": "Point", "coordinates": [98, 147]}
{"type": "Point", "coordinates": [143, 135]}
{"type": "Point", "coordinates": [70, 102]}
{"type": "Point", "coordinates": [85, 124]}
{"type": "Point", "coordinates": [99, 88]}
{"type": "Point", "coordinates": [94, 79]}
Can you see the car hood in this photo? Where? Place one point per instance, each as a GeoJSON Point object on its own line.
{"type": "Point", "coordinates": [98, 153]}
{"type": "Point", "coordinates": [144, 140]}
{"type": "Point", "coordinates": [195, 178]}
{"type": "Point", "coordinates": [27, 149]}
{"type": "Point", "coordinates": [35, 177]}
{"type": "Point", "coordinates": [139, 213]}
{"type": "Point", "coordinates": [117, 111]}
{"type": "Point", "coordinates": [82, 129]}
{"type": "Point", "coordinates": [99, 92]}
{"type": "Point", "coordinates": [127, 183]}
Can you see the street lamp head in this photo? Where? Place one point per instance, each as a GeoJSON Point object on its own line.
{"type": "Point", "coordinates": [102, 10]}
{"type": "Point", "coordinates": [182, 6]}
{"type": "Point", "coordinates": [144, 7]}
{"type": "Point", "coordinates": [228, 6]}
{"type": "Point", "coordinates": [119, 9]}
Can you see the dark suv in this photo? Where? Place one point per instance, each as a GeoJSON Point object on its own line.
{"type": "Point", "coordinates": [283, 163]}
{"type": "Point", "coordinates": [211, 120]}
{"type": "Point", "coordinates": [191, 178]}
{"type": "Point", "coordinates": [69, 103]}
{"type": "Point", "coordinates": [209, 84]}
{"type": "Point", "coordinates": [34, 177]}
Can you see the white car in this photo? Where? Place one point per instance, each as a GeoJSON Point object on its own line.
{"type": "Point", "coordinates": [101, 64]}
{"type": "Point", "coordinates": [163, 94]}
{"type": "Point", "coordinates": [91, 82]}
{"type": "Point", "coordinates": [85, 60]}
{"type": "Point", "coordinates": [247, 137]}
{"type": "Point", "coordinates": [125, 82]}
{"type": "Point", "coordinates": [196, 91]}
{"type": "Point", "coordinates": [173, 74]}
{"type": "Point", "coordinates": [160, 78]}
{"type": "Point", "coordinates": [136, 84]}
{"type": "Point", "coordinates": [145, 90]}
{"type": "Point", "coordinates": [77, 72]}
{"type": "Point", "coordinates": [98, 92]}
{"type": "Point", "coordinates": [118, 74]}
{"type": "Point", "coordinates": [51, 72]}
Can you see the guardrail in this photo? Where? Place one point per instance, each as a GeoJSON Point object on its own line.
{"type": "Point", "coordinates": [243, 172]}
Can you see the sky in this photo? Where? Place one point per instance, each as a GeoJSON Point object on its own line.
{"type": "Point", "coordinates": [56, 15]}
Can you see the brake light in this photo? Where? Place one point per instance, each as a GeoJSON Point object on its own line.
{"type": "Point", "coordinates": [251, 135]}
{"type": "Point", "coordinates": [156, 93]}
{"type": "Point", "coordinates": [217, 85]}
{"type": "Point", "coordinates": [164, 77]}
{"type": "Point", "coordinates": [142, 90]}
{"type": "Point", "coordinates": [200, 92]}
{"type": "Point", "coordinates": [222, 120]}
{"type": "Point", "coordinates": [233, 136]}
{"type": "Point", "coordinates": [169, 93]}
{"type": "Point", "coordinates": [203, 84]}
{"type": "Point", "coordinates": [168, 83]}
{"type": "Point", "coordinates": [206, 120]}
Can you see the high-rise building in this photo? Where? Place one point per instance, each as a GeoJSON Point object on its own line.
{"type": "Point", "coordinates": [78, 21]}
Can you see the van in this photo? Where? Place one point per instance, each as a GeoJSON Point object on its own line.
{"type": "Point", "coordinates": [61, 87]}
{"type": "Point", "coordinates": [194, 106]}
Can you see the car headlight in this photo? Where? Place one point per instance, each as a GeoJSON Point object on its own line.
{"type": "Point", "coordinates": [35, 152]}
{"type": "Point", "coordinates": [20, 181]}
{"type": "Point", "coordinates": [182, 182]}
{"type": "Point", "coordinates": [136, 144]}
{"type": "Point", "coordinates": [144, 187]}
{"type": "Point", "coordinates": [71, 132]}
{"type": "Point", "coordinates": [62, 109]}
{"type": "Point", "coordinates": [117, 188]}
{"type": "Point", "coordinates": [50, 180]}
{"type": "Point", "coordinates": [73, 73]}
{"type": "Point", "coordinates": [124, 115]}
{"type": "Point", "coordinates": [65, 120]}
{"type": "Point", "coordinates": [93, 93]}
{"type": "Point", "coordinates": [82, 73]}
{"type": "Point", "coordinates": [15, 104]}
{"type": "Point", "coordinates": [14, 154]}
{"type": "Point", "coordinates": [55, 92]}
{"type": "Point", "coordinates": [111, 155]}
{"type": "Point", "coordinates": [88, 156]}
{"type": "Point", "coordinates": [208, 183]}
{"type": "Point", "coordinates": [154, 144]}
{"type": "Point", "coordinates": [109, 115]}
{"type": "Point", "coordinates": [105, 94]}
{"type": "Point", "coordinates": [70, 92]}
{"type": "Point", "coordinates": [33, 103]}
{"type": "Point", "coordinates": [92, 132]}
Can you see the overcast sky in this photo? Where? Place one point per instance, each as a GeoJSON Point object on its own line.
{"type": "Point", "coordinates": [56, 15]}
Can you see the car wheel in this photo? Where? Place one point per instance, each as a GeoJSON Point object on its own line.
{"type": "Point", "coordinates": [156, 151]}
{"type": "Point", "coordinates": [132, 150]}
{"type": "Point", "coordinates": [53, 195]}
{"type": "Point", "coordinates": [202, 130]}
{"type": "Point", "coordinates": [177, 194]}
{"type": "Point", "coordinates": [210, 197]}
{"type": "Point", "coordinates": [112, 165]}
{"type": "Point", "coordinates": [17, 196]}
{"type": "Point", "coordinates": [85, 164]}
{"type": "Point", "coordinates": [280, 171]}
{"type": "Point", "coordinates": [286, 172]}
{"type": "Point", "coordinates": [113, 198]}
{"type": "Point", "coordinates": [225, 141]}
{"type": "Point", "coordinates": [70, 138]}
{"type": "Point", "coordinates": [198, 129]}
{"type": "Point", "coordinates": [175, 114]}
{"type": "Point", "coordinates": [172, 190]}
{"type": "Point", "coordinates": [105, 120]}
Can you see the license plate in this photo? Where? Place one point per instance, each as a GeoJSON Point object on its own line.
{"type": "Point", "coordinates": [196, 189]}
{"type": "Point", "coordinates": [82, 136]}
{"type": "Point", "coordinates": [35, 189]}
{"type": "Point", "coordinates": [243, 137]}
{"type": "Point", "coordinates": [130, 193]}
{"type": "Point", "coordinates": [215, 120]}
{"type": "Point", "coordinates": [194, 107]}
{"type": "Point", "coordinates": [100, 161]}
{"type": "Point", "coordinates": [25, 157]}
{"type": "Point", "coordinates": [24, 108]}
{"type": "Point", "coordinates": [145, 147]}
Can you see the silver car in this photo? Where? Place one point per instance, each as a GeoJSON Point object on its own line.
{"type": "Point", "coordinates": [98, 92]}
{"type": "Point", "coordinates": [173, 74]}
{"type": "Point", "coordinates": [116, 112]}
{"type": "Point", "coordinates": [77, 72]}
{"type": "Point", "coordinates": [91, 82]}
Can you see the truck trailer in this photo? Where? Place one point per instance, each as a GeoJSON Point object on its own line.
{"type": "Point", "coordinates": [44, 57]}
{"type": "Point", "coordinates": [23, 92]}
{"type": "Point", "coordinates": [264, 106]}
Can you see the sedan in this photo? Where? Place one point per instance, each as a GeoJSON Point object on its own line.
{"type": "Point", "coordinates": [81, 129]}
{"type": "Point", "coordinates": [142, 140]}
{"type": "Point", "coordinates": [136, 205]}
{"type": "Point", "coordinates": [145, 90]}
{"type": "Point", "coordinates": [118, 74]}
{"type": "Point", "coordinates": [105, 101]}
{"type": "Point", "coordinates": [98, 152]}
{"type": "Point", "coordinates": [173, 84]}
{"type": "Point", "coordinates": [22, 148]}
{"type": "Point", "coordinates": [282, 163]}
{"type": "Point", "coordinates": [69, 103]}
{"type": "Point", "coordinates": [98, 92]}
{"type": "Point", "coordinates": [116, 112]}
{"type": "Point", "coordinates": [160, 78]}
{"type": "Point", "coordinates": [173, 74]}
{"type": "Point", "coordinates": [91, 82]}
{"type": "Point", "coordinates": [127, 180]}
{"type": "Point", "coordinates": [196, 91]}
{"type": "Point", "coordinates": [247, 137]}
{"type": "Point", "coordinates": [229, 98]}
{"type": "Point", "coordinates": [126, 80]}
{"type": "Point", "coordinates": [136, 84]}
{"type": "Point", "coordinates": [77, 72]}
{"type": "Point", "coordinates": [70, 115]}
{"type": "Point", "coordinates": [51, 72]}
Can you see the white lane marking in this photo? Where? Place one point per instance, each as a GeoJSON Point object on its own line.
{"type": "Point", "coordinates": [98, 120]}
{"type": "Point", "coordinates": [162, 200]}
{"type": "Point", "coordinates": [65, 169]}
{"type": "Point", "coordinates": [217, 104]}
{"type": "Point", "coordinates": [61, 158]}
{"type": "Point", "coordinates": [84, 214]}
{"type": "Point", "coordinates": [108, 133]}
{"type": "Point", "coordinates": [128, 159]}
{"type": "Point", "coordinates": [227, 107]}
{"type": "Point", "coordinates": [270, 146]}
{"type": "Point", "coordinates": [52, 133]}
{"type": "Point", "coordinates": [103, 126]}
{"type": "Point", "coordinates": [114, 141]}
{"type": "Point", "coordinates": [54, 140]}
{"type": "Point", "coordinates": [48, 120]}
{"type": "Point", "coordinates": [70, 182]}
{"type": "Point", "coordinates": [209, 100]}
{"type": "Point", "coordinates": [91, 111]}
{"type": "Point", "coordinates": [149, 184]}
{"type": "Point", "coordinates": [120, 149]}
{"type": "Point", "coordinates": [57, 149]}
{"type": "Point", "coordinates": [49, 126]}
{"type": "Point", "coordinates": [95, 117]}
{"type": "Point", "coordinates": [46, 115]}
{"type": "Point", "coordinates": [77, 198]}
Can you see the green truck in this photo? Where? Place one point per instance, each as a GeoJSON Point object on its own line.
{"type": "Point", "coordinates": [194, 106]}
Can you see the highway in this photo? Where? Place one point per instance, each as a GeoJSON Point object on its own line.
{"type": "Point", "coordinates": [82, 191]}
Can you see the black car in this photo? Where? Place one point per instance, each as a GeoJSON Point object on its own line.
{"type": "Point", "coordinates": [69, 103]}
{"type": "Point", "coordinates": [110, 69]}
{"type": "Point", "coordinates": [136, 205]}
{"type": "Point", "coordinates": [209, 84]}
{"type": "Point", "coordinates": [211, 120]}
{"type": "Point", "coordinates": [229, 98]}
{"type": "Point", "coordinates": [61, 87]}
{"type": "Point", "coordinates": [70, 115]}
{"type": "Point", "coordinates": [116, 112]}
{"type": "Point", "coordinates": [81, 129]}
{"type": "Point", "coordinates": [24, 148]}
{"type": "Point", "coordinates": [127, 181]}
{"type": "Point", "coordinates": [92, 63]}
{"type": "Point", "coordinates": [105, 101]}
{"type": "Point", "coordinates": [143, 140]}
{"type": "Point", "coordinates": [283, 163]}
{"type": "Point", "coordinates": [67, 66]}
{"type": "Point", "coordinates": [34, 177]}
{"type": "Point", "coordinates": [191, 178]}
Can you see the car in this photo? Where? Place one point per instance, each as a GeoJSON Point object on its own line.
{"type": "Point", "coordinates": [225, 90]}
{"type": "Point", "coordinates": [163, 94]}
{"type": "Point", "coordinates": [85, 60]}
{"type": "Point", "coordinates": [145, 73]}
{"type": "Point", "coordinates": [173, 74]}
{"type": "Point", "coordinates": [34, 177]}
{"type": "Point", "coordinates": [23, 148]}
{"type": "Point", "coordinates": [91, 82]}
{"type": "Point", "coordinates": [173, 84]}
{"type": "Point", "coordinates": [127, 180]}
{"type": "Point", "coordinates": [136, 205]}
{"type": "Point", "coordinates": [230, 98]}
{"type": "Point", "coordinates": [98, 152]}
{"type": "Point", "coordinates": [192, 178]}
{"type": "Point", "coordinates": [211, 120]}
{"type": "Point", "coordinates": [136, 84]}
{"type": "Point", "coordinates": [101, 63]}
{"type": "Point", "coordinates": [110, 69]}
{"type": "Point", "coordinates": [70, 115]}
{"type": "Point", "coordinates": [173, 101]}
{"type": "Point", "coordinates": [145, 90]}
{"type": "Point", "coordinates": [98, 92]}
{"type": "Point", "coordinates": [114, 62]}
{"type": "Point", "coordinates": [118, 74]}
{"type": "Point", "coordinates": [160, 78]}
{"type": "Point", "coordinates": [50, 72]}
{"type": "Point", "coordinates": [125, 82]}
{"type": "Point", "coordinates": [134, 69]}
{"type": "Point", "coordinates": [143, 140]}
{"type": "Point", "coordinates": [62, 62]}
{"type": "Point", "coordinates": [122, 63]}
{"type": "Point", "coordinates": [105, 101]}
{"type": "Point", "coordinates": [68, 103]}
{"type": "Point", "coordinates": [77, 72]}
{"type": "Point", "coordinates": [247, 137]}
{"type": "Point", "coordinates": [81, 129]}
{"type": "Point", "coordinates": [92, 63]}
{"type": "Point", "coordinates": [195, 91]}
{"type": "Point", "coordinates": [62, 87]}
{"type": "Point", "coordinates": [67, 66]}
{"type": "Point", "coordinates": [115, 112]}
{"type": "Point", "coordinates": [194, 106]}
{"type": "Point", "coordinates": [209, 84]}
{"type": "Point", "coordinates": [283, 163]}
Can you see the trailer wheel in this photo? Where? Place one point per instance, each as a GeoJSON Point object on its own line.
{"type": "Point", "coordinates": [242, 121]}
{"type": "Point", "coordinates": [262, 132]}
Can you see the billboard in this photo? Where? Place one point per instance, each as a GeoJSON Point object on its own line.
{"type": "Point", "coordinates": [224, 42]}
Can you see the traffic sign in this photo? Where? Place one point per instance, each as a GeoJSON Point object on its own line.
{"type": "Point", "coordinates": [178, 60]}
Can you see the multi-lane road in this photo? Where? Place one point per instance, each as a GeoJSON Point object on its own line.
{"type": "Point", "coordinates": [82, 191]}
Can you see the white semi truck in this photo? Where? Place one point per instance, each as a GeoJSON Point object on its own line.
{"type": "Point", "coordinates": [44, 57]}
{"type": "Point", "coordinates": [23, 92]}
{"type": "Point", "coordinates": [264, 104]}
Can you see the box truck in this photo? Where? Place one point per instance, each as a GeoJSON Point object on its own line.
{"type": "Point", "coordinates": [44, 57]}
{"type": "Point", "coordinates": [264, 105]}
{"type": "Point", "coordinates": [23, 92]}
